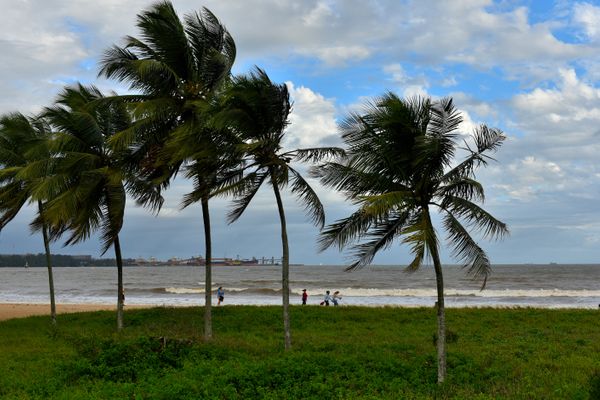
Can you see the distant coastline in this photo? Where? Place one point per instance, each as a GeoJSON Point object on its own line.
{"type": "Point", "coordinates": [63, 260]}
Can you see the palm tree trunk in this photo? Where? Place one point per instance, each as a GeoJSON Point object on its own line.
{"type": "Point", "coordinates": [120, 290]}
{"type": "Point", "coordinates": [441, 311]}
{"type": "Point", "coordinates": [208, 271]}
{"type": "Point", "coordinates": [49, 265]}
{"type": "Point", "coordinates": [285, 267]}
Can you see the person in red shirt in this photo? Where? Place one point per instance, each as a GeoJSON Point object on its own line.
{"type": "Point", "coordinates": [304, 297]}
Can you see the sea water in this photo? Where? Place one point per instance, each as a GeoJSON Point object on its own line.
{"type": "Point", "coordinates": [546, 286]}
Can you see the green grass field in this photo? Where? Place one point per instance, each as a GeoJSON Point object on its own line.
{"type": "Point", "coordinates": [338, 353]}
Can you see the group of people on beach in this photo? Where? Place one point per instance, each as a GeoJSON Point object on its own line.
{"type": "Point", "coordinates": [335, 298]}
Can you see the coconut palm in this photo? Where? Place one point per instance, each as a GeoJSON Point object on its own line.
{"type": "Point", "coordinates": [399, 168]}
{"type": "Point", "coordinates": [258, 110]}
{"type": "Point", "coordinates": [87, 184]}
{"type": "Point", "coordinates": [23, 142]}
{"type": "Point", "coordinates": [176, 68]}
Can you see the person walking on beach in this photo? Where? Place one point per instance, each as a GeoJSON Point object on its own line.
{"type": "Point", "coordinates": [304, 297]}
{"type": "Point", "coordinates": [336, 297]}
{"type": "Point", "coordinates": [220, 295]}
{"type": "Point", "coordinates": [326, 299]}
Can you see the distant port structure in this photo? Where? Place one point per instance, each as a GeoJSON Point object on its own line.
{"type": "Point", "coordinates": [200, 261]}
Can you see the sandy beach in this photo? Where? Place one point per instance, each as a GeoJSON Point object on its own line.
{"type": "Point", "coordinates": [14, 310]}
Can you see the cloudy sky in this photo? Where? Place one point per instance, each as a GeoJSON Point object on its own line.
{"type": "Point", "coordinates": [531, 68]}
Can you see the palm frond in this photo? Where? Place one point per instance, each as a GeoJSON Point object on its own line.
{"type": "Point", "coordinates": [486, 140]}
{"type": "Point", "coordinates": [415, 234]}
{"type": "Point", "coordinates": [383, 234]}
{"type": "Point", "coordinates": [229, 183]}
{"type": "Point", "coordinates": [444, 118]}
{"type": "Point", "coordinates": [346, 230]}
{"type": "Point", "coordinates": [23, 155]}
{"type": "Point", "coordinates": [467, 250]}
{"type": "Point", "coordinates": [145, 193]}
{"type": "Point", "coordinates": [465, 188]}
{"type": "Point", "coordinates": [435, 150]}
{"type": "Point", "coordinates": [162, 31]}
{"type": "Point", "coordinates": [114, 212]}
{"type": "Point", "coordinates": [317, 154]}
{"type": "Point", "coordinates": [382, 205]}
{"type": "Point", "coordinates": [307, 196]}
{"type": "Point", "coordinates": [12, 199]}
{"type": "Point", "coordinates": [213, 48]}
{"type": "Point", "coordinates": [477, 218]}
{"type": "Point", "coordinates": [246, 192]}
{"type": "Point", "coordinates": [354, 181]}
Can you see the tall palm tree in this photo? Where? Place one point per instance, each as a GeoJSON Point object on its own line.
{"type": "Point", "coordinates": [88, 180]}
{"type": "Point", "coordinates": [176, 68]}
{"type": "Point", "coordinates": [258, 110]}
{"type": "Point", "coordinates": [399, 168]}
{"type": "Point", "coordinates": [23, 142]}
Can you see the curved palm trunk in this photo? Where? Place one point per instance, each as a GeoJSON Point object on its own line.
{"type": "Point", "coordinates": [441, 310]}
{"type": "Point", "coordinates": [120, 290]}
{"type": "Point", "coordinates": [441, 317]}
{"type": "Point", "coordinates": [49, 265]}
{"type": "Point", "coordinates": [208, 271]}
{"type": "Point", "coordinates": [285, 267]}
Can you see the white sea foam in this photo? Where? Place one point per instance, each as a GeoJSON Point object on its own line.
{"type": "Point", "coordinates": [186, 290]}
{"type": "Point", "coordinates": [183, 290]}
{"type": "Point", "coordinates": [372, 292]}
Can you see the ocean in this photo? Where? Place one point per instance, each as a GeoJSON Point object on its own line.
{"type": "Point", "coordinates": [545, 286]}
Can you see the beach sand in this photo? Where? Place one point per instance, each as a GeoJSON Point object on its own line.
{"type": "Point", "coordinates": [13, 310]}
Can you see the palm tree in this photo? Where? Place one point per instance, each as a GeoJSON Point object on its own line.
{"type": "Point", "coordinates": [88, 180]}
{"type": "Point", "coordinates": [23, 142]}
{"type": "Point", "coordinates": [258, 109]}
{"type": "Point", "coordinates": [177, 68]}
{"type": "Point", "coordinates": [400, 166]}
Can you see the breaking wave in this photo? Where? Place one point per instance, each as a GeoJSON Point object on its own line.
{"type": "Point", "coordinates": [372, 292]}
{"type": "Point", "coordinates": [256, 291]}
{"type": "Point", "coordinates": [362, 292]}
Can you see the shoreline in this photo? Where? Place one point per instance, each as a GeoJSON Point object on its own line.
{"type": "Point", "coordinates": [23, 310]}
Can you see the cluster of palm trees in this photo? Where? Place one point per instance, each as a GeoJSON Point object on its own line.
{"type": "Point", "coordinates": [81, 158]}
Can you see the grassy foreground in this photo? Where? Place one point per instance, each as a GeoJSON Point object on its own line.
{"type": "Point", "coordinates": [338, 353]}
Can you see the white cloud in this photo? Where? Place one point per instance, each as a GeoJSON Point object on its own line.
{"type": "Point", "coordinates": [312, 119]}
{"type": "Point", "coordinates": [481, 109]}
{"type": "Point", "coordinates": [409, 85]}
{"type": "Point", "coordinates": [340, 55]}
{"type": "Point", "coordinates": [472, 32]}
{"type": "Point", "coordinates": [396, 72]}
{"type": "Point", "coordinates": [587, 17]}
{"type": "Point", "coordinates": [562, 120]}
{"type": "Point", "coordinates": [531, 176]}
{"type": "Point", "coordinates": [318, 15]}
{"type": "Point", "coordinates": [45, 41]}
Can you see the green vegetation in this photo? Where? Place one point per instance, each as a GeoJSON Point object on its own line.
{"type": "Point", "coordinates": [338, 353]}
